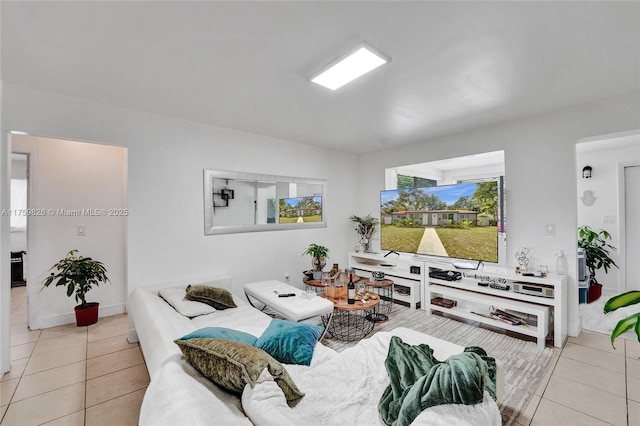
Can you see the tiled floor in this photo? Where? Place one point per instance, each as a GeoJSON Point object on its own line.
{"type": "Point", "coordinates": [589, 383]}
{"type": "Point", "coordinates": [71, 375]}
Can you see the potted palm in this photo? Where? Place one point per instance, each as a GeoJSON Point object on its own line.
{"type": "Point", "coordinates": [596, 252]}
{"type": "Point", "coordinates": [365, 227]}
{"type": "Point", "coordinates": [79, 274]}
{"type": "Point", "coordinates": [319, 256]}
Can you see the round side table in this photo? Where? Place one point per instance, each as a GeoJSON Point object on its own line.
{"type": "Point", "coordinates": [384, 289]}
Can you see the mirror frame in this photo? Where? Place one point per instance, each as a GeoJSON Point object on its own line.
{"type": "Point", "coordinates": [211, 229]}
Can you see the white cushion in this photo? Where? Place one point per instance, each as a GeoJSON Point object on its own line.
{"type": "Point", "coordinates": [189, 308]}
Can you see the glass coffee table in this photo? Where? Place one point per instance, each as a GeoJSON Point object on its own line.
{"type": "Point", "coordinates": [349, 322]}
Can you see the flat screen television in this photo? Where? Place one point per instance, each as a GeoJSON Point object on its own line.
{"type": "Point", "coordinates": [460, 221]}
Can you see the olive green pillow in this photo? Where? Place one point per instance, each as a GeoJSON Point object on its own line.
{"type": "Point", "coordinates": [232, 365]}
{"type": "Point", "coordinates": [219, 298]}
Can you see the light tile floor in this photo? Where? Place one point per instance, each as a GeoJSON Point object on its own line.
{"type": "Point", "coordinates": [589, 383]}
{"type": "Point", "coordinates": [72, 375]}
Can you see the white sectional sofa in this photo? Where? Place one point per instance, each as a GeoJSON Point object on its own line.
{"type": "Point", "coordinates": [341, 388]}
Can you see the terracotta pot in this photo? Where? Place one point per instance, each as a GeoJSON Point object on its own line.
{"type": "Point", "coordinates": [594, 292]}
{"type": "Point", "coordinates": [87, 314]}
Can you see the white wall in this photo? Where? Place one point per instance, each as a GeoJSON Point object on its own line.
{"type": "Point", "coordinates": [605, 156]}
{"type": "Point", "coordinates": [73, 184]}
{"type": "Point", "coordinates": [540, 174]}
{"type": "Point", "coordinates": [166, 240]}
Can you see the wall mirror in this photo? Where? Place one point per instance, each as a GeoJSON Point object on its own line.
{"type": "Point", "coordinates": [247, 202]}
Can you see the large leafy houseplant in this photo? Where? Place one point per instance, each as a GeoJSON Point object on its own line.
{"type": "Point", "coordinates": [79, 274]}
{"type": "Point", "coordinates": [596, 250]}
{"type": "Point", "coordinates": [632, 321]}
{"type": "Point", "coordinates": [365, 227]}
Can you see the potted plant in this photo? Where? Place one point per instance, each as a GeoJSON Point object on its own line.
{"type": "Point", "coordinates": [79, 274]}
{"type": "Point", "coordinates": [365, 227]}
{"type": "Point", "coordinates": [632, 321]}
{"type": "Point", "coordinates": [319, 256]}
{"type": "Point", "coordinates": [596, 252]}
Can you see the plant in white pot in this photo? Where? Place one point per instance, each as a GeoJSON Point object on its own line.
{"type": "Point", "coordinates": [79, 274]}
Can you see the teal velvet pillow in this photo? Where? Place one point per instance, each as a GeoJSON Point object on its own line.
{"type": "Point", "coordinates": [290, 342]}
{"type": "Point", "coordinates": [221, 333]}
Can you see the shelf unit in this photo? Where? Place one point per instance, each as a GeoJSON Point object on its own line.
{"type": "Point", "coordinates": [474, 298]}
{"type": "Point", "coordinates": [406, 285]}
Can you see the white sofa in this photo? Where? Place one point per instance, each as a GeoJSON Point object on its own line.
{"type": "Point", "coordinates": [179, 395]}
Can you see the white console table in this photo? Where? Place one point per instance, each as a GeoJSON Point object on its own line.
{"type": "Point", "coordinates": [472, 299]}
{"type": "Point", "coordinates": [406, 285]}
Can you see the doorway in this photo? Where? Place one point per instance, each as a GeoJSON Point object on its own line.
{"type": "Point", "coordinates": [631, 208]}
{"type": "Point", "coordinates": [79, 191]}
{"type": "Point", "coordinates": [608, 200]}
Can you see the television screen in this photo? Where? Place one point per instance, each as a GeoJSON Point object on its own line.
{"type": "Point", "coordinates": [458, 221]}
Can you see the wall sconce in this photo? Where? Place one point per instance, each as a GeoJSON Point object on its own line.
{"type": "Point", "coordinates": [586, 172]}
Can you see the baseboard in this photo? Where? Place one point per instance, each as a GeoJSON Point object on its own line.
{"type": "Point", "coordinates": [70, 317]}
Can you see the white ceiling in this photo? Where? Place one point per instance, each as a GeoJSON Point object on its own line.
{"type": "Point", "coordinates": [245, 65]}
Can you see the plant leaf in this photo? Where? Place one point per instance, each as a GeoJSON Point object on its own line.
{"type": "Point", "coordinates": [624, 325]}
{"type": "Point", "coordinates": [622, 300]}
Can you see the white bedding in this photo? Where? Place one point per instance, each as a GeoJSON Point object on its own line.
{"type": "Point", "coordinates": [341, 388]}
{"type": "Point", "coordinates": [346, 389]}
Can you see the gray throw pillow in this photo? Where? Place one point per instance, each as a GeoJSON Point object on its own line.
{"type": "Point", "coordinates": [231, 365]}
{"type": "Point", "coordinates": [219, 298]}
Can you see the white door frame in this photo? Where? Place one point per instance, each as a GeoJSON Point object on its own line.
{"type": "Point", "coordinates": [623, 220]}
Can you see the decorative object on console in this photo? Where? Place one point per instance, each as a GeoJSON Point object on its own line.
{"type": "Point", "coordinates": [79, 274]}
{"type": "Point", "coordinates": [522, 258]}
{"type": "Point", "coordinates": [365, 227]}
{"type": "Point", "coordinates": [632, 321]}
{"type": "Point", "coordinates": [377, 275]}
{"type": "Point", "coordinates": [319, 255]}
{"type": "Point", "coordinates": [219, 298]}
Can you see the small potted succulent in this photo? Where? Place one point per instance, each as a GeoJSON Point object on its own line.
{"type": "Point", "coordinates": [319, 256]}
{"type": "Point", "coordinates": [79, 274]}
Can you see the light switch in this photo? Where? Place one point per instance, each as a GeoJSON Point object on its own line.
{"type": "Point", "coordinates": [550, 229]}
{"type": "Point", "coordinates": [609, 219]}
{"type": "Point", "coordinates": [80, 231]}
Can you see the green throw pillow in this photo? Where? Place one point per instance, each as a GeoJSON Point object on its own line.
{"type": "Point", "coordinates": [221, 333]}
{"type": "Point", "coordinates": [290, 342]}
{"type": "Point", "coordinates": [231, 365]}
{"type": "Point", "coordinates": [219, 298]}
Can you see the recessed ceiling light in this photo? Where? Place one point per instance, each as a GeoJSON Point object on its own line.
{"type": "Point", "coordinates": [347, 68]}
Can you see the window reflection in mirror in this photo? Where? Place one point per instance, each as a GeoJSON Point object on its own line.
{"type": "Point", "coordinates": [246, 202]}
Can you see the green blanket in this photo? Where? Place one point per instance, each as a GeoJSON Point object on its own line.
{"type": "Point", "coordinates": [419, 381]}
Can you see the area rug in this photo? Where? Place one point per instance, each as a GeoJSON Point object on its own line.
{"type": "Point", "coordinates": [524, 363]}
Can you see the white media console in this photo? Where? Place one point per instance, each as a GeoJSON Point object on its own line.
{"type": "Point", "coordinates": [542, 301]}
